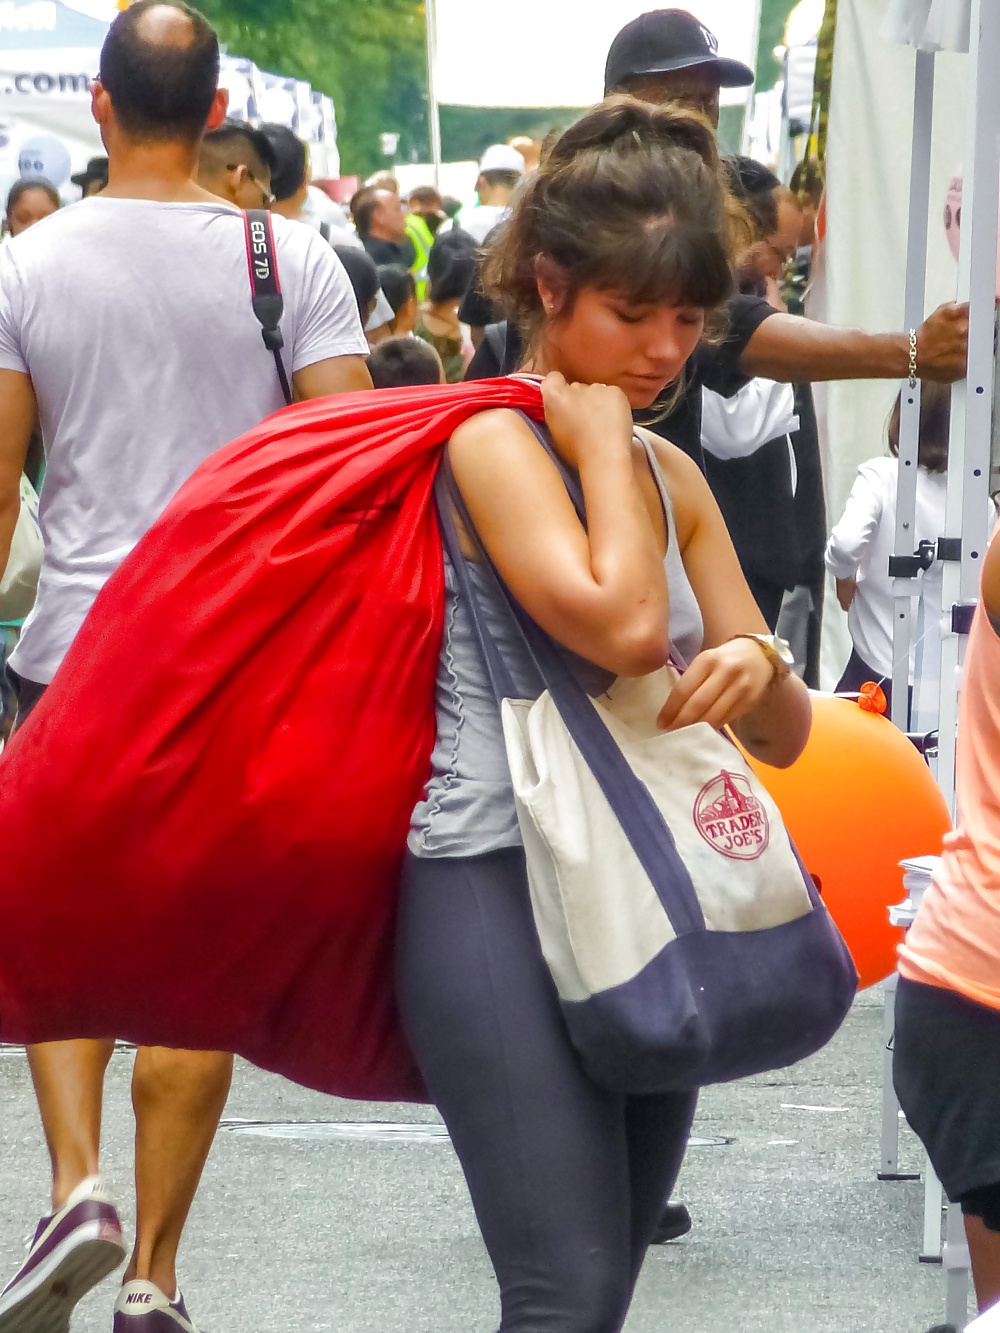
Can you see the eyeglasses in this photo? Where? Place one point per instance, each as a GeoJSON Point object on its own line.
{"type": "Point", "coordinates": [267, 198]}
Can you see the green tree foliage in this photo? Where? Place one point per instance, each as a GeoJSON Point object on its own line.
{"type": "Point", "coordinates": [366, 54]}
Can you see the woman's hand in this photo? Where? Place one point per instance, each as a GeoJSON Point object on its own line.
{"type": "Point", "coordinates": [582, 417]}
{"type": "Point", "coordinates": [720, 686]}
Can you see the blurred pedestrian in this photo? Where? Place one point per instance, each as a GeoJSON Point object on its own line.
{"type": "Point", "coordinates": [500, 172]}
{"type": "Point", "coordinates": [423, 221]}
{"type": "Point", "coordinates": [237, 162]}
{"type": "Point", "coordinates": [380, 218]}
{"type": "Point", "coordinates": [450, 269]}
{"type": "Point", "coordinates": [400, 290]}
{"type": "Point", "coordinates": [363, 276]}
{"type": "Point", "coordinates": [399, 362]}
{"type": "Point", "coordinates": [93, 178]}
{"type": "Point", "coordinates": [29, 201]}
{"type": "Point", "coordinates": [126, 323]}
{"type": "Point", "coordinates": [864, 538]}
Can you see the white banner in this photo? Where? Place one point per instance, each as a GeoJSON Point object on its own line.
{"type": "Point", "coordinates": [551, 53]}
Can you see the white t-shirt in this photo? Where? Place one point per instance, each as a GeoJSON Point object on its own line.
{"type": "Point", "coordinates": [134, 321]}
{"type": "Point", "coordinates": [862, 542]}
{"type": "Point", "coordinates": [481, 220]}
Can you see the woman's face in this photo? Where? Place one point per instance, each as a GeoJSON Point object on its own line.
{"type": "Point", "coordinates": [605, 339]}
{"type": "Point", "coordinates": [32, 206]}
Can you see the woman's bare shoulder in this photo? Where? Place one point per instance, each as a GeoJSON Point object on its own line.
{"type": "Point", "coordinates": [685, 480]}
{"type": "Point", "coordinates": [495, 426]}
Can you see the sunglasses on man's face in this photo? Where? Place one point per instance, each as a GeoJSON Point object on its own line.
{"type": "Point", "coordinates": [267, 198]}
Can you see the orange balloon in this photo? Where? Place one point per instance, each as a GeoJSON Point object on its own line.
{"type": "Point", "coordinates": [859, 800]}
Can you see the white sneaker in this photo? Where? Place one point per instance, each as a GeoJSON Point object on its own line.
{"type": "Point", "coordinates": [74, 1248]}
{"type": "Point", "coordinates": [142, 1307]}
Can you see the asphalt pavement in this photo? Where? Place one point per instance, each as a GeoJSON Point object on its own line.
{"type": "Point", "coordinates": [317, 1214]}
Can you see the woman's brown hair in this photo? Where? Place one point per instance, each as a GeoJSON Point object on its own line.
{"type": "Point", "coordinates": [630, 199]}
{"type": "Point", "coordinates": [935, 426]}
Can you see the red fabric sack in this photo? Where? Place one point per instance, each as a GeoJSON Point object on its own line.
{"type": "Point", "coordinates": [203, 822]}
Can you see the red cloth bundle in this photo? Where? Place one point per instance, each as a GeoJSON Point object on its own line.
{"type": "Point", "coordinates": [203, 821]}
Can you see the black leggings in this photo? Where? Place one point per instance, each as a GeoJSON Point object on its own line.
{"type": "Point", "coordinates": [567, 1180]}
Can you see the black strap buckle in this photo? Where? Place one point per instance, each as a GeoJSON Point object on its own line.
{"type": "Point", "coordinates": [949, 548]}
{"type": "Point", "coordinates": [909, 566]}
{"type": "Point", "coordinates": [962, 615]}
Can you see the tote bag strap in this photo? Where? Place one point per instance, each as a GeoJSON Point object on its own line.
{"type": "Point", "coordinates": [629, 798]}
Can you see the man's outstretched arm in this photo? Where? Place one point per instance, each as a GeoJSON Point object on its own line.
{"type": "Point", "coordinates": [18, 413]}
{"type": "Point", "coordinates": [794, 350]}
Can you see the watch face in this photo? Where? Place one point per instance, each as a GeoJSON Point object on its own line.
{"type": "Point", "coordinates": [783, 648]}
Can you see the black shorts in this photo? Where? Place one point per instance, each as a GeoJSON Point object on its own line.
{"type": "Point", "coordinates": [946, 1069]}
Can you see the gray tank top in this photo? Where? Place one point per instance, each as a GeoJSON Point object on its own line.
{"type": "Point", "coordinates": [468, 805]}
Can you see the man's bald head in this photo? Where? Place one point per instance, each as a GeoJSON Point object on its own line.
{"type": "Point", "coordinates": [160, 68]}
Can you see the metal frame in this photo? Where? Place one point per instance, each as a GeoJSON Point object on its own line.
{"type": "Point", "coordinates": [433, 105]}
{"type": "Point", "coordinates": [973, 400]}
{"type": "Point", "coordinates": [969, 479]}
{"type": "Point", "coordinates": [909, 424]}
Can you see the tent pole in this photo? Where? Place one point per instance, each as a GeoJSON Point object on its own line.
{"type": "Point", "coordinates": [909, 425]}
{"type": "Point", "coordinates": [433, 107]}
{"type": "Point", "coordinates": [967, 516]}
{"type": "Point", "coordinates": [748, 105]}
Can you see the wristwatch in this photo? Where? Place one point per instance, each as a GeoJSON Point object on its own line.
{"type": "Point", "coordinates": [777, 651]}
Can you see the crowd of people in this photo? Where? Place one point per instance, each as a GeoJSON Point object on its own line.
{"type": "Point", "coordinates": [649, 284]}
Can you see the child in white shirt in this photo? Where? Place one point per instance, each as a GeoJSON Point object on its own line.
{"type": "Point", "coordinates": [860, 545]}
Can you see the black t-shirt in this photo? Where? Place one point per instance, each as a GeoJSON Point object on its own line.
{"type": "Point", "coordinates": [390, 252]}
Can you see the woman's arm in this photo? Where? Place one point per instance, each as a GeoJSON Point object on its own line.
{"type": "Point", "coordinates": [731, 682]}
{"type": "Point", "coordinates": [602, 592]}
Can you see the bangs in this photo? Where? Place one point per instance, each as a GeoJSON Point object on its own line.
{"type": "Point", "coordinates": [663, 264]}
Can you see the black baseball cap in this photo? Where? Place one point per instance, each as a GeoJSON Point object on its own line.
{"type": "Point", "coordinates": [665, 40]}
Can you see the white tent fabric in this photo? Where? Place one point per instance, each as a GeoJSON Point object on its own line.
{"type": "Point", "coordinates": [551, 53]}
{"type": "Point", "coordinates": [931, 25]}
{"type": "Point", "coordinates": [50, 51]}
{"type": "Point", "coordinates": [865, 254]}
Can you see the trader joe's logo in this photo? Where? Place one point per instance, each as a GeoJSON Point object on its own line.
{"type": "Point", "coordinates": [731, 819]}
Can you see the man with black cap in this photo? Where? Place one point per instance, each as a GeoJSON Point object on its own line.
{"type": "Point", "coordinates": [667, 55]}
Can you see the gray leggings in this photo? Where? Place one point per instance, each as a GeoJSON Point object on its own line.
{"type": "Point", "coordinates": [567, 1180]}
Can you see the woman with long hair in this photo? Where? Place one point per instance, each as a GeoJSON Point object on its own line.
{"type": "Point", "coordinates": [616, 262]}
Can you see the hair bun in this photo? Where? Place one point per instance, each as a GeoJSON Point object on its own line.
{"type": "Point", "coordinates": [621, 117]}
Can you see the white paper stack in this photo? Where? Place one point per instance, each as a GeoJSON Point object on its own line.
{"type": "Point", "coordinates": [917, 875]}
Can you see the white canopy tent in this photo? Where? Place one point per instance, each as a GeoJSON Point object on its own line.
{"type": "Point", "coordinates": [551, 53]}
{"type": "Point", "coordinates": [50, 51]}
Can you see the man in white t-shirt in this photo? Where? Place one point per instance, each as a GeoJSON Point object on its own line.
{"type": "Point", "coordinates": [500, 173]}
{"type": "Point", "coordinates": [127, 319]}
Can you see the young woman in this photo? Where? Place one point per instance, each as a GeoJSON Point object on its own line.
{"type": "Point", "coordinates": [615, 261]}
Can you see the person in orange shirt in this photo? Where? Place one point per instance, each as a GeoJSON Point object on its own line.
{"type": "Point", "coordinates": [947, 1047]}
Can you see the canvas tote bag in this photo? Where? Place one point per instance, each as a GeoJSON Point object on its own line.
{"type": "Point", "coordinates": [687, 943]}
